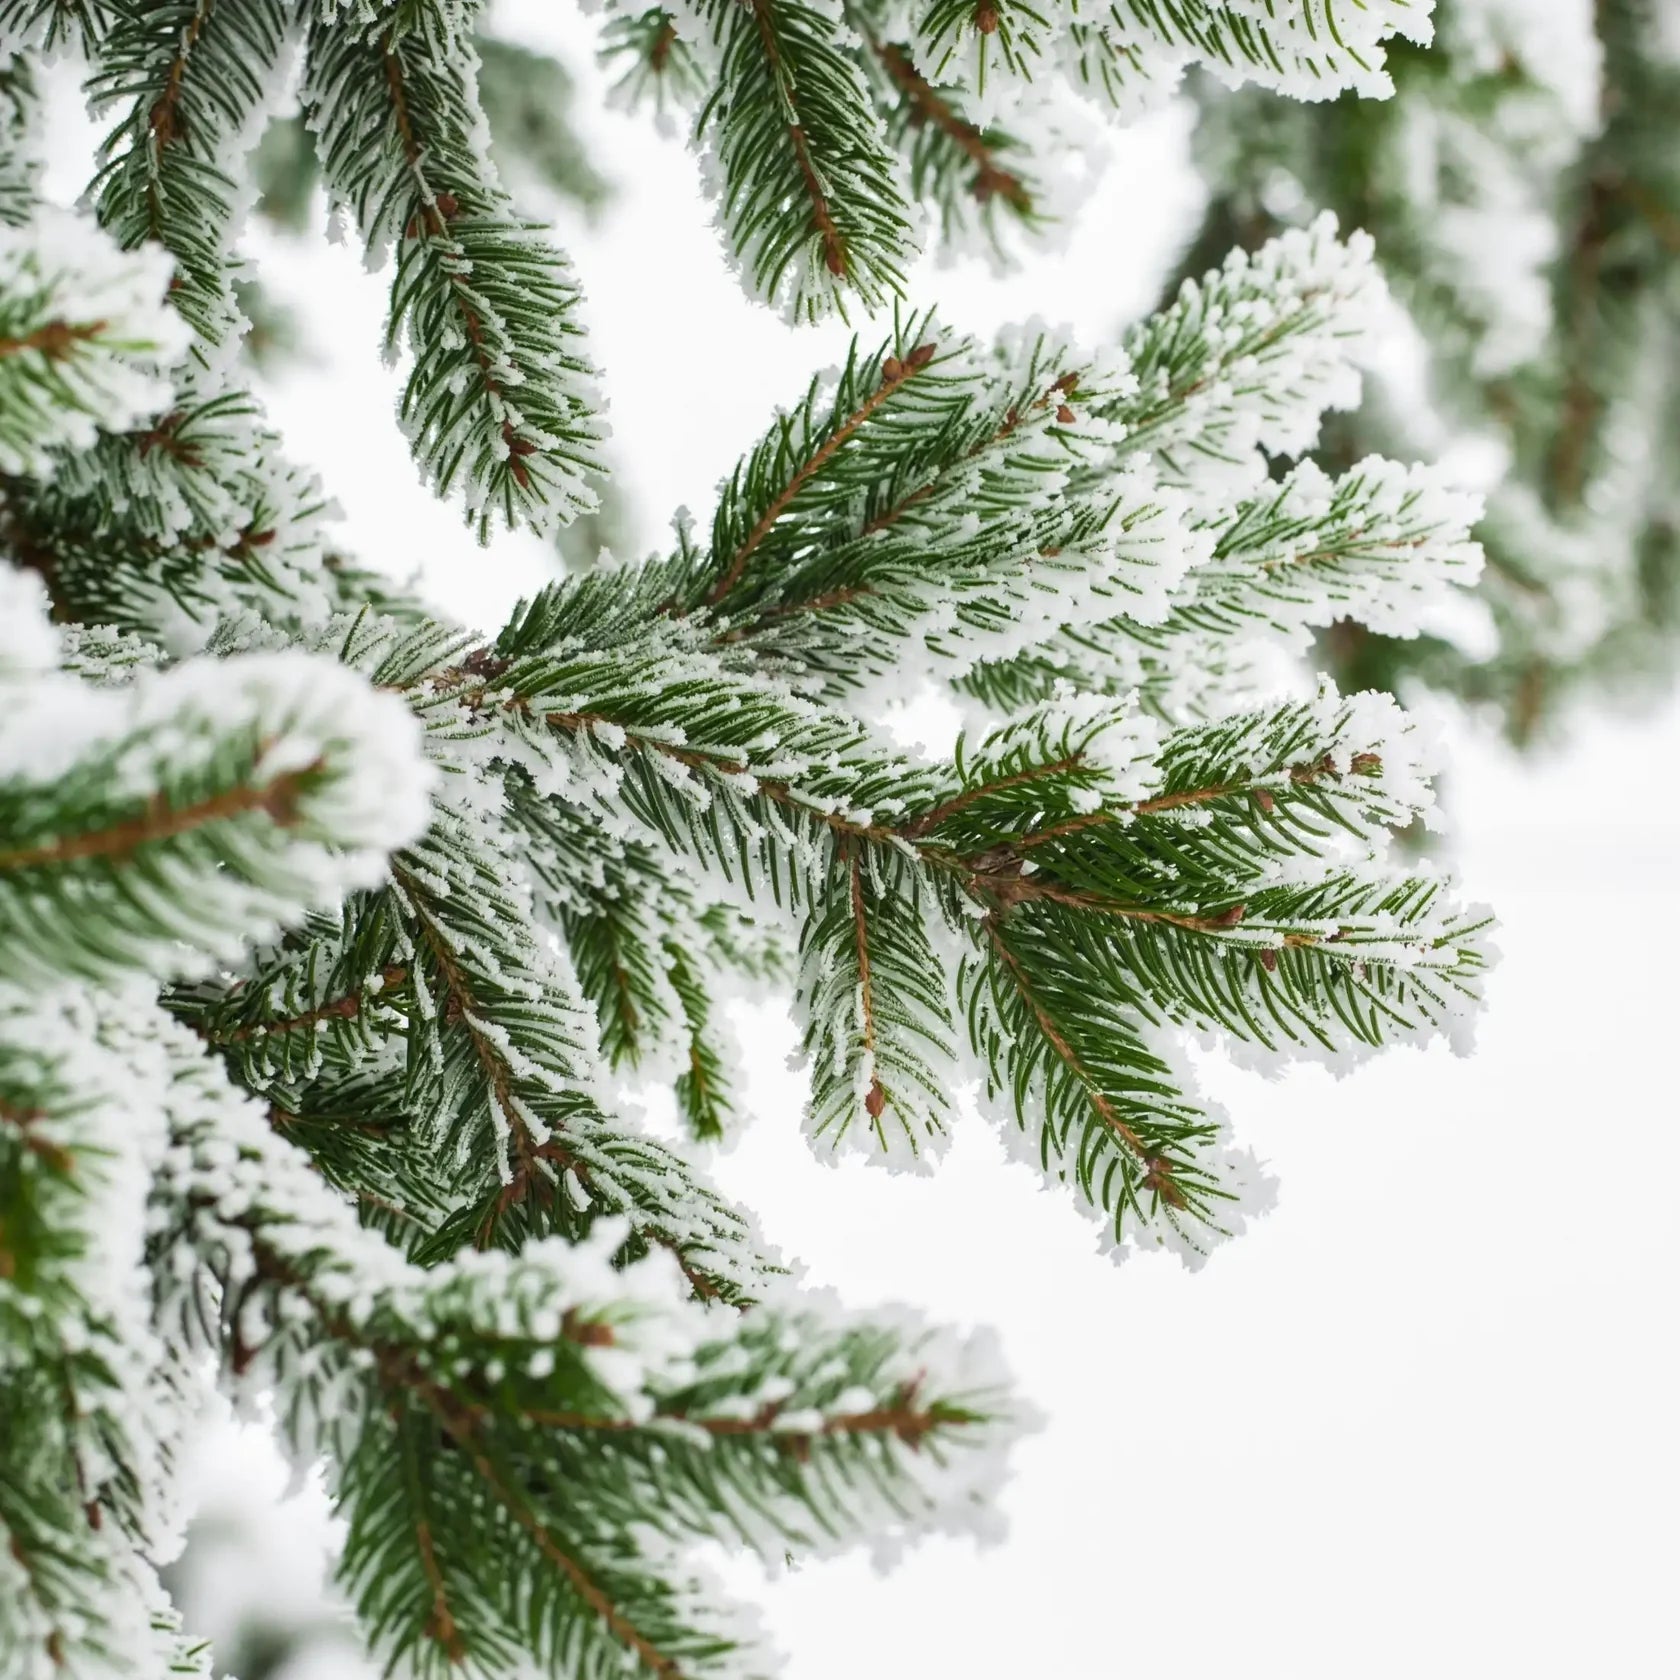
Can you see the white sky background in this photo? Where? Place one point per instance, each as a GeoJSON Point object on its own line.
{"type": "Point", "coordinates": [1420, 1420]}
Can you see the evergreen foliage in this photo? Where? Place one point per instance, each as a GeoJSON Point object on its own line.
{"type": "Point", "coordinates": [326, 924]}
{"type": "Point", "coordinates": [1524, 191]}
{"type": "Point", "coordinates": [831, 127]}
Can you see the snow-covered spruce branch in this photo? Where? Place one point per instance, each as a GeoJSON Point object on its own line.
{"type": "Point", "coordinates": [20, 162]}
{"type": "Point", "coordinates": [789, 121]}
{"type": "Point", "coordinates": [99, 1396]}
{"type": "Point", "coordinates": [470, 1384]}
{"type": "Point", "coordinates": [163, 823]}
{"type": "Point", "coordinates": [240, 1232]}
{"type": "Point", "coordinates": [500, 404]}
{"type": "Point", "coordinates": [84, 339]}
{"type": "Point", "coordinates": [194, 80]}
{"type": "Point", "coordinates": [980, 181]}
{"type": "Point", "coordinates": [55, 25]}
{"type": "Point", "coordinates": [1027, 513]}
{"type": "Point", "coordinates": [1522, 191]}
{"type": "Point", "coordinates": [325, 921]}
{"type": "Point", "coordinates": [140, 503]}
{"type": "Point", "coordinates": [157, 530]}
{"type": "Point", "coordinates": [859, 112]}
{"type": "Point", "coordinates": [1226, 879]}
{"type": "Point", "coordinates": [498, 1069]}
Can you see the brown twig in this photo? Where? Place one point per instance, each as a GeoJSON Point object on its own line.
{"type": "Point", "coordinates": [660, 51]}
{"type": "Point", "coordinates": [1581, 404]}
{"type": "Point", "coordinates": [901, 1419]}
{"type": "Point", "coordinates": [165, 122]}
{"type": "Point", "coordinates": [1361, 764]}
{"type": "Point", "coordinates": [835, 257]}
{"type": "Point", "coordinates": [441, 1627]}
{"type": "Point", "coordinates": [1158, 1170]}
{"type": "Point", "coordinates": [24, 1122]}
{"type": "Point", "coordinates": [621, 1627]}
{"type": "Point", "coordinates": [932, 819]}
{"type": "Point", "coordinates": [433, 217]}
{"type": "Point", "coordinates": [1178, 394]}
{"type": "Point", "coordinates": [1065, 385]}
{"type": "Point", "coordinates": [894, 373]}
{"type": "Point", "coordinates": [995, 880]}
{"type": "Point", "coordinates": [462, 1008]}
{"type": "Point", "coordinates": [1009, 889]}
{"type": "Point", "coordinates": [52, 339]}
{"type": "Point", "coordinates": [533, 1158]}
{"type": "Point", "coordinates": [1342, 551]}
{"type": "Point", "coordinates": [991, 179]}
{"type": "Point", "coordinates": [344, 1008]}
{"type": "Point", "coordinates": [875, 1101]}
{"type": "Point", "coordinates": [277, 800]}
{"type": "Point", "coordinates": [165, 436]}
{"type": "Point", "coordinates": [837, 597]}
{"type": "Point", "coordinates": [165, 118]}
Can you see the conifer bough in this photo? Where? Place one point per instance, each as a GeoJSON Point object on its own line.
{"type": "Point", "coordinates": [829, 127]}
{"type": "Point", "coordinates": [326, 924]}
{"type": "Point", "coordinates": [1523, 187]}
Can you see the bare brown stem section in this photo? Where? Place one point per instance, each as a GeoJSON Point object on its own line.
{"type": "Point", "coordinates": [165, 119]}
{"type": "Point", "coordinates": [441, 1628]}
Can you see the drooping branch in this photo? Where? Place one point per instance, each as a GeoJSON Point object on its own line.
{"type": "Point", "coordinates": [875, 1100]}
{"type": "Point", "coordinates": [835, 255]}
{"type": "Point", "coordinates": [401, 1375]}
{"type": "Point", "coordinates": [164, 120]}
{"type": "Point", "coordinates": [1157, 1168]}
{"type": "Point", "coordinates": [431, 221]}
